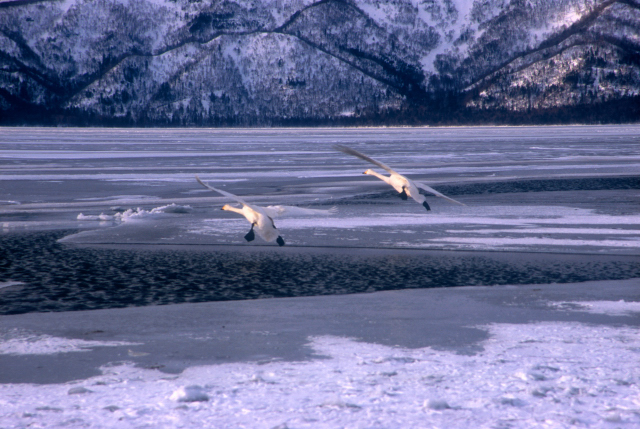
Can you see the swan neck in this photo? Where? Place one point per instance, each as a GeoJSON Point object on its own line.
{"type": "Point", "coordinates": [379, 176]}
{"type": "Point", "coordinates": [233, 209]}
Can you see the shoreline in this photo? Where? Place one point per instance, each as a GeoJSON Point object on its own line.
{"type": "Point", "coordinates": [341, 249]}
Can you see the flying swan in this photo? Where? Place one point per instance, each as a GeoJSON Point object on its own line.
{"type": "Point", "coordinates": [261, 218]}
{"type": "Point", "coordinates": [404, 186]}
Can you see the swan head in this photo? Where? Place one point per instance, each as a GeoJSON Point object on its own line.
{"type": "Point", "coordinates": [227, 207]}
{"type": "Point", "coordinates": [368, 171]}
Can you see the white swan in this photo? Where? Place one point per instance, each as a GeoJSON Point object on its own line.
{"type": "Point", "coordinates": [400, 183]}
{"type": "Point", "coordinates": [262, 217]}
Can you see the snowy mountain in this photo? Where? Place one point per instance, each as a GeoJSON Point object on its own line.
{"type": "Point", "coordinates": [275, 62]}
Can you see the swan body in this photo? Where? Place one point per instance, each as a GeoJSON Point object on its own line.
{"type": "Point", "coordinates": [405, 187]}
{"type": "Point", "coordinates": [260, 221]}
{"type": "Point", "coordinates": [261, 218]}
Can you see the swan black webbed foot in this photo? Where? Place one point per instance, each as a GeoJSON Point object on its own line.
{"type": "Point", "coordinates": [426, 206]}
{"type": "Point", "coordinates": [250, 235]}
{"type": "Point", "coordinates": [403, 194]}
{"type": "Point", "coordinates": [280, 241]}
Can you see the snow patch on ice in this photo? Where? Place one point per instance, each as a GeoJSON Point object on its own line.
{"type": "Point", "coordinates": [119, 198]}
{"type": "Point", "coordinates": [100, 217]}
{"type": "Point", "coordinates": [589, 231]}
{"type": "Point", "coordinates": [173, 208]}
{"type": "Point", "coordinates": [137, 214]}
{"type": "Point", "coordinates": [533, 241]}
{"type": "Point", "coordinates": [19, 343]}
{"type": "Point", "coordinates": [611, 308]}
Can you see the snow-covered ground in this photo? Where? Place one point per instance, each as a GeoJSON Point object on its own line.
{"type": "Point", "coordinates": [554, 355]}
{"type": "Point", "coordinates": [536, 375]}
{"type": "Point", "coordinates": [517, 357]}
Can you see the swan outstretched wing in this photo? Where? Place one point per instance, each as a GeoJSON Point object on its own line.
{"type": "Point", "coordinates": [220, 191]}
{"type": "Point", "coordinates": [355, 153]}
{"type": "Point", "coordinates": [275, 211]}
{"type": "Point", "coordinates": [436, 193]}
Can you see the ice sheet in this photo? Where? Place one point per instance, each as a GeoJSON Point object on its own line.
{"type": "Point", "coordinates": [539, 227]}
{"type": "Point", "coordinates": [534, 375]}
{"type": "Point", "coordinates": [523, 186]}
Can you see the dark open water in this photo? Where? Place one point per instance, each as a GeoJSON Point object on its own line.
{"type": "Point", "coordinates": [59, 277]}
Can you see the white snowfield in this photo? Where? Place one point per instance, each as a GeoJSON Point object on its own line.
{"type": "Point", "coordinates": [536, 375]}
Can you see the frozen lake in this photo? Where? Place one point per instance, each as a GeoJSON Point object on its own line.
{"type": "Point", "coordinates": [520, 186]}
{"type": "Point", "coordinates": [113, 222]}
{"type": "Point", "coordinates": [547, 204]}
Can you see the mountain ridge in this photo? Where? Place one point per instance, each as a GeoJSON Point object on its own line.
{"type": "Point", "coordinates": [279, 62]}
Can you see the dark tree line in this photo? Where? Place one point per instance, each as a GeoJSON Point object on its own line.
{"type": "Point", "coordinates": [445, 108]}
